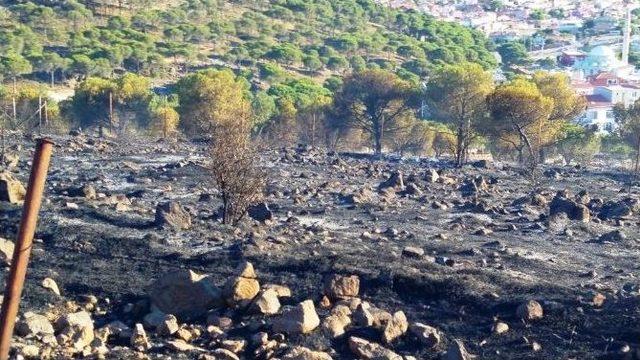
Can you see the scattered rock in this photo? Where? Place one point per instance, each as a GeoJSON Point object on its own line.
{"type": "Point", "coordinates": [260, 212]}
{"type": "Point", "coordinates": [367, 350]}
{"type": "Point", "coordinates": [171, 213]}
{"type": "Point", "coordinates": [11, 189]}
{"type": "Point", "coordinates": [185, 294]}
{"type": "Point", "coordinates": [168, 326]}
{"type": "Point", "coordinates": [267, 302]}
{"type": "Point", "coordinates": [34, 324]}
{"type": "Point", "coordinates": [340, 287]}
{"type": "Point", "coordinates": [426, 334]}
{"type": "Point", "coordinates": [300, 319]}
{"type": "Point", "coordinates": [413, 252]}
{"type": "Point", "coordinates": [457, 351]}
{"type": "Point", "coordinates": [303, 353]}
{"type": "Point", "coordinates": [395, 327]}
{"type": "Point", "coordinates": [139, 338]}
{"type": "Point", "coordinates": [6, 251]}
{"type": "Point", "coordinates": [49, 283]}
{"type": "Point", "coordinates": [500, 328]}
{"type": "Point", "coordinates": [531, 310]}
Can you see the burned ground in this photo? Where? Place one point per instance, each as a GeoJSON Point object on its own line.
{"type": "Point", "coordinates": [484, 253]}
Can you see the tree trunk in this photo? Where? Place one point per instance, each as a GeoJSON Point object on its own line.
{"type": "Point", "coordinates": [459, 147]}
{"type": "Point", "coordinates": [637, 165]}
{"type": "Point", "coordinates": [53, 72]}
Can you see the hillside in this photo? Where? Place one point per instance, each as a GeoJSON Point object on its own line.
{"type": "Point", "coordinates": [265, 40]}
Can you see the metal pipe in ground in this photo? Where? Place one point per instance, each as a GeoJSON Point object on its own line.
{"type": "Point", "coordinates": [15, 281]}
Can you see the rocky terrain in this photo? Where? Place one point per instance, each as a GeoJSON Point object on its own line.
{"type": "Point", "coordinates": [348, 258]}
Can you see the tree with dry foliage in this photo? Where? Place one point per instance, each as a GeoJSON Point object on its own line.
{"type": "Point", "coordinates": [567, 105]}
{"type": "Point", "coordinates": [456, 95]}
{"type": "Point", "coordinates": [233, 165]}
{"type": "Point", "coordinates": [520, 114]}
{"type": "Point", "coordinates": [415, 137]}
{"type": "Point", "coordinates": [165, 121]}
{"type": "Point", "coordinates": [207, 98]}
{"type": "Point", "coordinates": [375, 101]}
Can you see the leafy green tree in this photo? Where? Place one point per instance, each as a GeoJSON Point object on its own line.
{"type": "Point", "coordinates": [51, 62]}
{"type": "Point", "coordinates": [628, 120]}
{"type": "Point", "coordinates": [520, 115]}
{"type": "Point", "coordinates": [578, 143]}
{"type": "Point", "coordinates": [374, 101]}
{"type": "Point", "coordinates": [457, 95]}
{"type": "Point", "coordinates": [513, 53]}
{"type": "Point", "coordinates": [13, 65]}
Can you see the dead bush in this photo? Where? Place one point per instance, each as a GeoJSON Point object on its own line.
{"type": "Point", "coordinates": [234, 170]}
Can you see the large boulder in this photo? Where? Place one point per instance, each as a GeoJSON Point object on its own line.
{"type": "Point", "coordinates": [11, 189]}
{"type": "Point", "coordinates": [573, 210]}
{"type": "Point", "coordinates": [171, 213]}
{"type": "Point", "coordinates": [300, 319]}
{"type": "Point", "coordinates": [185, 294]}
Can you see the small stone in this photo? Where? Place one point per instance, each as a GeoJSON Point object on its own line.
{"type": "Point", "coordinates": [139, 338]}
{"type": "Point", "coordinates": [367, 350]}
{"type": "Point", "coordinates": [302, 353]}
{"type": "Point", "coordinates": [598, 300]}
{"type": "Point", "coordinates": [457, 351]}
{"type": "Point", "coordinates": [531, 310]}
{"type": "Point", "coordinates": [413, 252]}
{"type": "Point", "coordinates": [168, 326]}
{"type": "Point", "coordinates": [49, 283]}
{"type": "Point", "coordinates": [427, 335]}
{"type": "Point", "coordinates": [224, 354]}
{"type": "Point", "coordinates": [6, 251]}
{"type": "Point", "coordinates": [500, 328]}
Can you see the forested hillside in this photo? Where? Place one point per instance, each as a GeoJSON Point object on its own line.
{"type": "Point", "coordinates": [268, 40]}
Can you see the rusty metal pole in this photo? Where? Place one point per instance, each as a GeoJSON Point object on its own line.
{"type": "Point", "coordinates": [22, 251]}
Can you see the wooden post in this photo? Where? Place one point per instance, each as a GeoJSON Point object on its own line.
{"type": "Point", "coordinates": [22, 251]}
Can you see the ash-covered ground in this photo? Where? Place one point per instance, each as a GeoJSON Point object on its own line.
{"type": "Point", "coordinates": [456, 250]}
